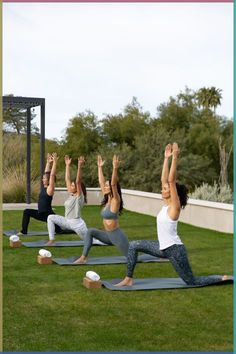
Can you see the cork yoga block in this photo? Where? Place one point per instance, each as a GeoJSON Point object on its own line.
{"type": "Point", "coordinates": [44, 260]}
{"type": "Point", "coordinates": [15, 244]}
{"type": "Point", "coordinates": [92, 284]}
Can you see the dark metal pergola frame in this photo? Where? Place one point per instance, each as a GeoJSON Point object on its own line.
{"type": "Point", "coordinates": [28, 103]}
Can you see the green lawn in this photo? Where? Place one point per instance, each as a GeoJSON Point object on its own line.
{"type": "Point", "coordinates": [46, 307]}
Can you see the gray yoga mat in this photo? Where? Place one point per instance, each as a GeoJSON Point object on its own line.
{"type": "Point", "coordinates": [35, 233]}
{"type": "Point", "coordinates": [30, 233]}
{"type": "Point", "coordinates": [145, 258]}
{"type": "Point", "coordinates": [42, 243]}
{"type": "Point", "coordinates": [156, 283]}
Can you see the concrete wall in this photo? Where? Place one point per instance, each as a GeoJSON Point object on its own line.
{"type": "Point", "coordinates": [210, 215]}
{"type": "Point", "coordinates": [94, 196]}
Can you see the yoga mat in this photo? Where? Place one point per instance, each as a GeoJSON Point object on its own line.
{"type": "Point", "coordinates": [145, 258]}
{"type": "Point", "coordinates": [30, 233]}
{"type": "Point", "coordinates": [36, 233]}
{"type": "Point", "coordinates": [156, 284]}
{"type": "Point", "coordinates": [42, 243]}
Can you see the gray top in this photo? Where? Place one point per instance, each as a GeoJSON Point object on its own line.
{"type": "Point", "coordinates": [106, 213]}
{"type": "Point", "coordinates": [73, 205]}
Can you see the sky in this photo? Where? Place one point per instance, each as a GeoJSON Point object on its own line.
{"type": "Point", "coordinates": [97, 56]}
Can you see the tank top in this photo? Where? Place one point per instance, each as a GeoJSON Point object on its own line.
{"type": "Point", "coordinates": [73, 206]}
{"type": "Point", "coordinates": [44, 202]}
{"type": "Point", "coordinates": [167, 230]}
{"type": "Point", "coordinates": [106, 213]}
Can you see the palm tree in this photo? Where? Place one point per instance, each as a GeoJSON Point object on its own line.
{"type": "Point", "coordinates": [209, 97]}
{"type": "Point", "coordinates": [215, 97]}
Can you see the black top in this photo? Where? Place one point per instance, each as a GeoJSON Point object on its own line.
{"type": "Point", "coordinates": [44, 202]}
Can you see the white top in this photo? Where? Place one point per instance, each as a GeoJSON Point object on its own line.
{"type": "Point", "coordinates": [73, 206]}
{"type": "Point", "coordinates": [167, 230]}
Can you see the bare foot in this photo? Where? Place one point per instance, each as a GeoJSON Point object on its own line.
{"type": "Point", "coordinates": [225, 277]}
{"type": "Point", "coordinates": [126, 282]}
{"type": "Point", "coordinates": [20, 234]}
{"type": "Point", "coordinates": [81, 259]}
{"type": "Point", "coordinates": [51, 243]}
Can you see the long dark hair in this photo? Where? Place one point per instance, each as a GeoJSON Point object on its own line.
{"type": "Point", "coordinates": [182, 191]}
{"type": "Point", "coordinates": [105, 199]}
{"type": "Point", "coordinates": [83, 187]}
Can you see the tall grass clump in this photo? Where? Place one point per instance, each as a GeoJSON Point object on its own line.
{"type": "Point", "coordinates": [14, 171]}
{"type": "Point", "coordinates": [14, 185]}
{"type": "Point", "coordinates": [14, 150]}
{"type": "Point", "coordinates": [215, 193]}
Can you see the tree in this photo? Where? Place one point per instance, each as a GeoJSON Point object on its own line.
{"type": "Point", "coordinates": [209, 97]}
{"type": "Point", "coordinates": [224, 161]}
{"type": "Point", "coordinates": [178, 113]}
{"type": "Point", "coordinates": [15, 120]}
{"type": "Point", "coordinates": [82, 135]}
{"type": "Point", "coordinates": [193, 169]}
{"type": "Point", "coordinates": [123, 128]}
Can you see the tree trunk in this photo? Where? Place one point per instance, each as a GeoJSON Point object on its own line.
{"type": "Point", "coordinates": [224, 160]}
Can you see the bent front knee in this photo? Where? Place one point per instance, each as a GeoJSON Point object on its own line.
{"type": "Point", "coordinates": [91, 232]}
{"type": "Point", "coordinates": [50, 218]}
{"type": "Point", "coordinates": [133, 245]}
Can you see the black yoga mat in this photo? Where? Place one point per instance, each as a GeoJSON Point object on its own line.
{"type": "Point", "coordinates": [35, 233]}
{"type": "Point", "coordinates": [145, 258]}
{"type": "Point", "coordinates": [157, 283]}
{"type": "Point", "coordinates": [42, 243]}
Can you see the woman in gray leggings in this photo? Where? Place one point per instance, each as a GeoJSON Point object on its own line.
{"type": "Point", "coordinates": [169, 245]}
{"type": "Point", "coordinates": [113, 205]}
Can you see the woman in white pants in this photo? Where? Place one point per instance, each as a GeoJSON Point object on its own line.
{"type": "Point", "coordinates": [73, 205]}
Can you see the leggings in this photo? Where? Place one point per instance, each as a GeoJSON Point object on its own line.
{"type": "Point", "coordinates": [77, 225]}
{"type": "Point", "coordinates": [177, 255]}
{"type": "Point", "coordinates": [33, 213]}
{"type": "Point", "coordinates": [115, 237]}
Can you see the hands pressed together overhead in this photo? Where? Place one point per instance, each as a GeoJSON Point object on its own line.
{"type": "Point", "coordinates": [81, 160]}
{"type": "Point", "coordinates": [172, 150]}
{"type": "Point", "coordinates": [116, 161]}
{"type": "Point", "coordinates": [52, 157]}
{"type": "Point", "coordinates": [100, 161]}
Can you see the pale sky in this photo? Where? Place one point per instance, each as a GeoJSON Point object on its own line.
{"type": "Point", "coordinates": [98, 56]}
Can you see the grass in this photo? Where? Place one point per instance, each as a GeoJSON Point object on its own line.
{"type": "Point", "coordinates": [46, 308]}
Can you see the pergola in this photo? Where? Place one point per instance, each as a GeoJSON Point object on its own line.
{"type": "Point", "coordinates": [28, 103]}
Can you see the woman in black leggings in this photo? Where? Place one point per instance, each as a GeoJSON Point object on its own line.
{"type": "Point", "coordinates": [45, 197]}
{"type": "Point", "coordinates": [169, 245]}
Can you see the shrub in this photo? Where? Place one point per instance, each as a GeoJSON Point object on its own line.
{"type": "Point", "coordinates": [14, 185]}
{"type": "Point", "coordinates": [14, 150]}
{"type": "Point", "coordinates": [215, 193]}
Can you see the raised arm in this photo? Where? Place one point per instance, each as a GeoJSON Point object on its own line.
{"type": "Point", "coordinates": [114, 178]}
{"type": "Point", "coordinates": [81, 162]}
{"type": "Point", "coordinates": [48, 166]}
{"type": "Point", "coordinates": [51, 186]}
{"type": "Point", "coordinates": [165, 168]}
{"type": "Point", "coordinates": [67, 172]}
{"type": "Point", "coordinates": [101, 178]}
{"type": "Point", "coordinates": [175, 206]}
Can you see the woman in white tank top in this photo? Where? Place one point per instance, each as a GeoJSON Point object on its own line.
{"type": "Point", "coordinates": [169, 245]}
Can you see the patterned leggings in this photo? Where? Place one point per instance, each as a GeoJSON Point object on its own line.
{"type": "Point", "coordinates": [115, 237]}
{"type": "Point", "coordinates": [177, 255]}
